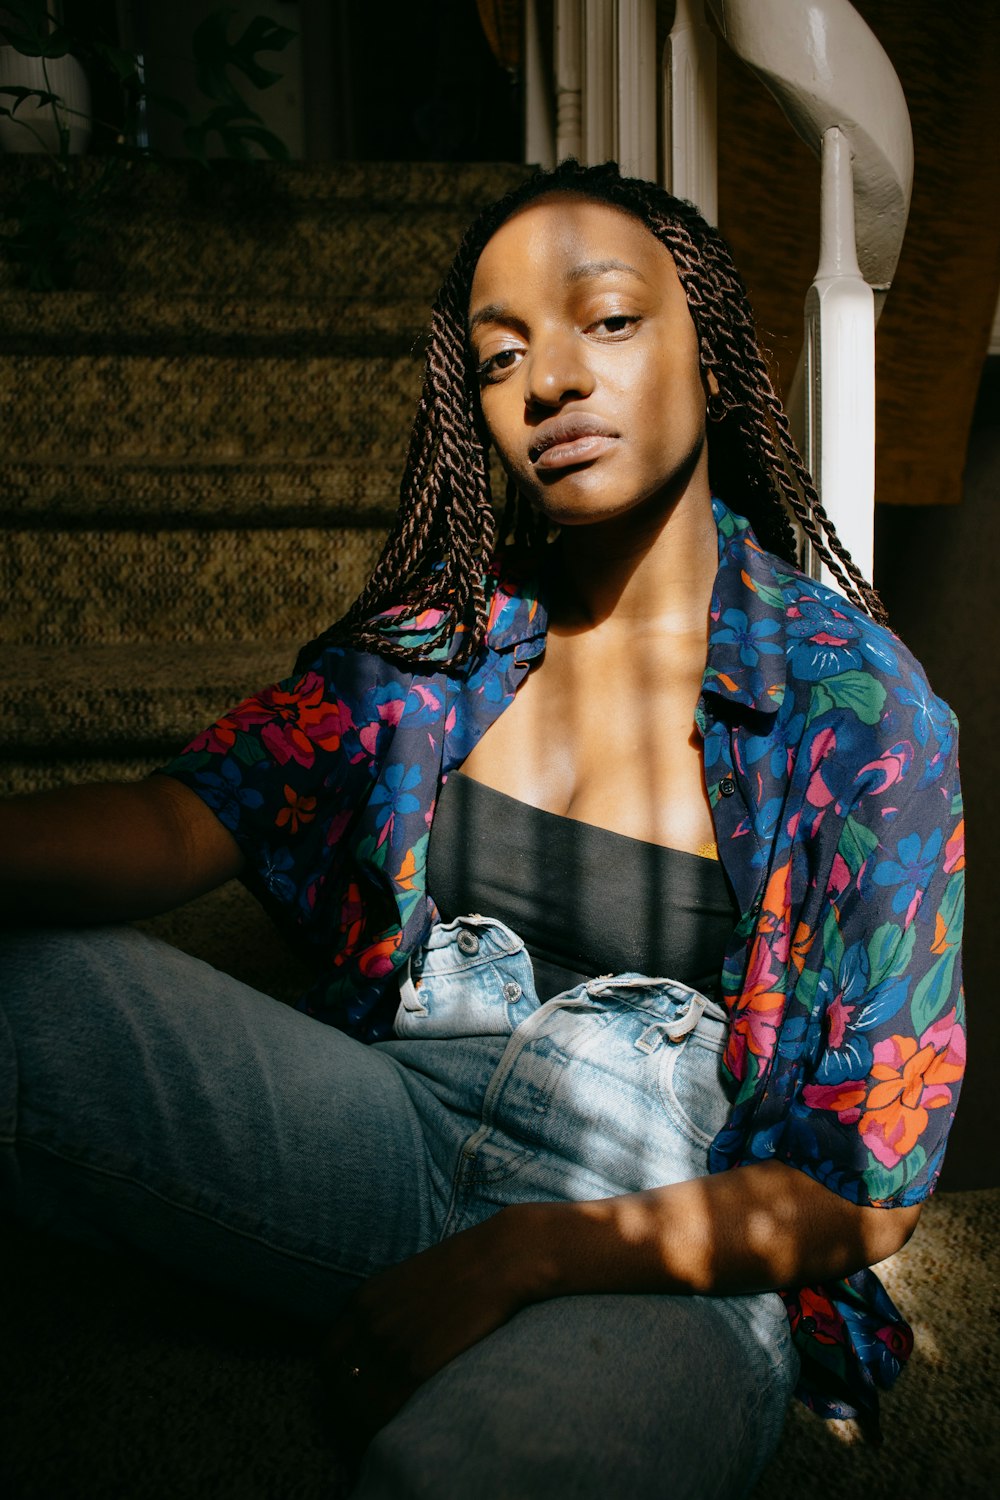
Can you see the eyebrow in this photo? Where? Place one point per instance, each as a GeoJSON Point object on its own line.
{"type": "Point", "coordinates": [592, 268]}
{"type": "Point", "coordinates": [495, 312]}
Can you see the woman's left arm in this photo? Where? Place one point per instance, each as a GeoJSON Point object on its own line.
{"type": "Point", "coordinates": [750, 1229]}
{"type": "Point", "coordinates": [753, 1228]}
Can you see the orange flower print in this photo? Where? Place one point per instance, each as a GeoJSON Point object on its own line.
{"type": "Point", "coordinates": [300, 810]}
{"type": "Point", "coordinates": [954, 850]}
{"type": "Point", "coordinates": [759, 1008]}
{"type": "Point", "coordinates": [911, 1077]}
{"type": "Point", "coordinates": [219, 738]}
{"type": "Point", "coordinates": [295, 724]}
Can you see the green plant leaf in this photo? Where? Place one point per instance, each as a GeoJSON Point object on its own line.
{"type": "Point", "coordinates": [237, 129]}
{"type": "Point", "coordinates": [23, 94]}
{"type": "Point", "coordinates": [123, 64]}
{"type": "Point", "coordinates": [26, 27]}
{"type": "Point", "coordinates": [272, 144]}
{"type": "Point", "coordinates": [214, 54]}
{"type": "Point", "coordinates": [171, 105]}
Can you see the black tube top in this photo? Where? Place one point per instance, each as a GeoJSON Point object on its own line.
{"type": "Point", "coordinates": [586, 901]}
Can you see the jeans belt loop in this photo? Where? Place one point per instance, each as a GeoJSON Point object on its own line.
{"type": "Point", "coordinates": [408, 997]}
{"type": "Point", "coordinates": [673, 1031]}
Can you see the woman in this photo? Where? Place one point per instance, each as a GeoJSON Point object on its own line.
{"type": "Point", "coordinates": [579, 1229]}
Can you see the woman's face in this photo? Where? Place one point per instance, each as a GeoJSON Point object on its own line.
{"type": "Point", "coordinates": [587, 361]}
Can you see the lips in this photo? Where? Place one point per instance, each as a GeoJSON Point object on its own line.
{"type": "Point", "coordinates": [572, 438]}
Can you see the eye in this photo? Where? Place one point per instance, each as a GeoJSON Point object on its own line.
{"type": "Point", "coordinates": [492, 367]}
{"type": "Point", "coordinates": [614, 325]}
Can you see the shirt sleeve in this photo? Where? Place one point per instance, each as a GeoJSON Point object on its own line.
{"type": "Point", "coordinates": [877, 985]}
{"type": "Point", "coordinates": [287, 770]}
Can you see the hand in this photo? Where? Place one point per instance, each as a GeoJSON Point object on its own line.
{"type": "Point", "coordinates": [405, 1323]}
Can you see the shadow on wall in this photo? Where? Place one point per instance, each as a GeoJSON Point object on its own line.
{"type": "Point", "coordinates": [935, 566]}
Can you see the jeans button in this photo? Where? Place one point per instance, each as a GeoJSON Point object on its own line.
{"type": "Point", "coordinates": [511, 991]}
{"type": "Point", "coordinates": [468, 943]}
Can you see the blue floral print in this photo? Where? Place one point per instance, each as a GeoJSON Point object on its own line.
{"type": "Point", "coordinates": [832, 773]}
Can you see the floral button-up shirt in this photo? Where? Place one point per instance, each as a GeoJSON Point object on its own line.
{"type": "Point", "coordinates": [832, 774]}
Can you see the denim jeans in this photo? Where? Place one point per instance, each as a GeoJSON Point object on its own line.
{"type": "Point", "coordinates": [149, 1100]}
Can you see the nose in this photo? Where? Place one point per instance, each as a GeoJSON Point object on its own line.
{"type": "Point", "coordinates": [557, 371]}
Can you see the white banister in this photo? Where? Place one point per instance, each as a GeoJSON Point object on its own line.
{"type": "Point", "coordinates": [637, 87]}
{"type": "Point", "coordinates": [689, 109]}
{"type": "Point", "coordinates": [539, 125]}
{"type": "Point", "coordinates": [600, 115]}
{"type": "Point", "coordinates": [837, 87]}
{"type": "Point", "coordinates": [569, 80]}
{"type": "Point", "coordinates": [840, 364]}
{"type": "Point", "coordinates": [825, 67]}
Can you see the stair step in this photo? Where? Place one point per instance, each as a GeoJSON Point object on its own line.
{"type": "Point", "coordinates": [86, 587]}
{"type": "Point", "coordinates": [95, 323]}
{"type": "Point", "coordinates": [39, 770]}
{"type": "Point", "coordinates": [358, 228]}
{"type": "Point", "coordinates": [245, 191]}
{"type": "Point", "coordinates": [104, 493]}
{"type": "Point", "coordinates": [125, 702]}
{"type": "Point", "coordinates": [205, 408]}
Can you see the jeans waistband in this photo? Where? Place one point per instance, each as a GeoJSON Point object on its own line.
{"type": "Point", "coordinates": [473, 941]}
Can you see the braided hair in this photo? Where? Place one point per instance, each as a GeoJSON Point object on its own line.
{"type": "Point", "coordinates": [445, 532]}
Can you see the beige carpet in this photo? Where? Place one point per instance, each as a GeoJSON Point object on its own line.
{"type": "Point", "coordinates": [122, 1383]}
{"type": "Point", "coordinates": [941, 1423]}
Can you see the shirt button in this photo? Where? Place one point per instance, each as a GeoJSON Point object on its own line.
{"type": "Point", "coordinates": [727, 786]}
{"type": "Point", "coordinates": [468, 942]}
{"type": "Point", "coordinates": [511, 991]}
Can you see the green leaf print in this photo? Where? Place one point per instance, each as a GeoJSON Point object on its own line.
{"type": "Point", "coordinates": [859, 692]}
{"type": "Point", "coordinates": [952, 908]}
{"type": "Point", "coordinates": [890, 951]}
{"type": "Point", "coordinates": [933, 992]}
{"type": "Point", "coordinates": [857, 843]}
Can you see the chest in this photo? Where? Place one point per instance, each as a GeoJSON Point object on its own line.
{"type": "Point", "coordinates": [607, 735]}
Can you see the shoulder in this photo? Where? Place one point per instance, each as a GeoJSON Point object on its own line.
{"type": "Point", "coordinates": [849, 693]}
{"type": "Point", "coordinates": [843, 664]}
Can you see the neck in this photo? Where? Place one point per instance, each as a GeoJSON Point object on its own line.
{"type": "Point", "coordinates": [649, 570]}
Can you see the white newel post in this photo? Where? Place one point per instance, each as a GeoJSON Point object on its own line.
{"type": "Point", "coordinates": [539, 126]}
{"type": "Point", "coordinates": [637, 69]}
{"type": "Point", "coordinates": [840, 365]}
{"type": "Point", "coordinates": [689, 109]}
{"type": "Point", "coordinates": [600, 134]}
{"type": "Point", "coordinates": [569, 79]}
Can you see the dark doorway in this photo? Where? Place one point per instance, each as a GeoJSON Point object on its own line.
{"type": "Point", "coordinates": [407, 80]}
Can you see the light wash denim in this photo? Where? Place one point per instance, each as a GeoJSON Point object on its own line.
{"type": "Point", "coordinates": [147, 1099]}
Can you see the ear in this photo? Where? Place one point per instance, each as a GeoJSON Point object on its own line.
{"type": "Point", "coordinates": [711, 383]}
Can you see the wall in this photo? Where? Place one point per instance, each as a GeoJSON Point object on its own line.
{"type": "Point", "coordinates": [936, 568]}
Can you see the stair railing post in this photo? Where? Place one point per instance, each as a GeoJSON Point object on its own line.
{"type": "Point", "coordinates": [600, 79]}
{"type": "Point", "coordinates": [569, 78]}
{"type": "Point", "coordinates": [539, 125]}
{"type": "Point", "coordinates": [840, 366]}
{"type": "Point", "coordinates": [690, 167]}
{"type": "Point", "coordinates": [637, 88]}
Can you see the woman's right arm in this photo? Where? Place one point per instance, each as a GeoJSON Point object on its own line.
{"type": "Point", "coordinates": [108, 853]}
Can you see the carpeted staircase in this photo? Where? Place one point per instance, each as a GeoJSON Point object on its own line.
{"type": "Point", "coordinates": [201, 450]}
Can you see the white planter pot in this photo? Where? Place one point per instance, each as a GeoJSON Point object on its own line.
{"type": "Point", "coordinates": [34, 127]}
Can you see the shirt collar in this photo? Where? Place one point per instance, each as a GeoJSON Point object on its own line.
{"type": "Point", "coordinates": [518, 617]}
{"type": "Point", "coordinates": [746, 646]}
{"type": "Point", "coordinates": [747, 660]}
